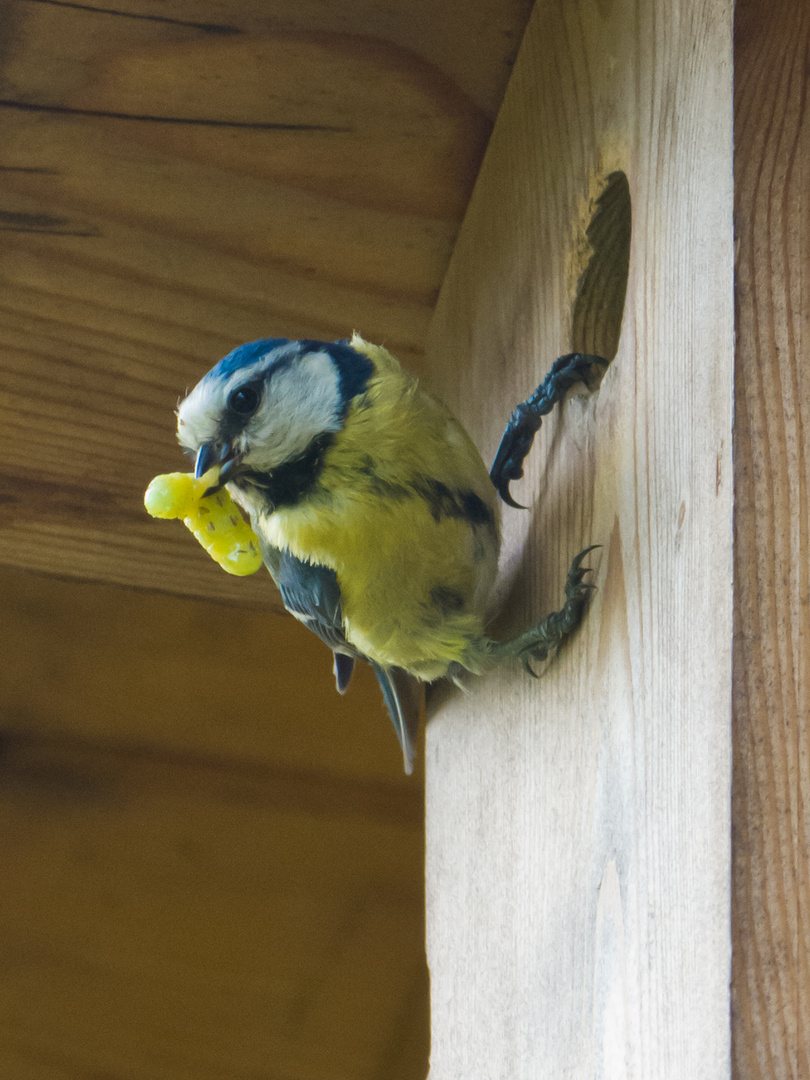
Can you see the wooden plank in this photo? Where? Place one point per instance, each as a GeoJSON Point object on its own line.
{"type": "Point", "coordinates": [177, 178]}
{"type": "Point", "coordinates": [771, 880]}
{"type": "Point", "coordinates": [578, 848]}
{"type": "Point", "coordinates": [171, 906]}
{"type": "Point", "coordinates": [183, 920]}
{"type": "Point", "coordinates": [197, 679]}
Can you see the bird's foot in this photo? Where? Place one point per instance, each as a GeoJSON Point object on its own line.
{"type": "Point", "coordinates": [542, 640]}
{"type": "Point", "coordinates": [526, 419]}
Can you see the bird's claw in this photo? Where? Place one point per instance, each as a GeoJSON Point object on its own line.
{"type": "Point", "coordinates": [515, 445]}
{"type": "Point", "coordinates": [559, 624]}
{"type": "Point", "coordinates": [525, 421]}
{"type": "Point", "coordinates": [576, 588]}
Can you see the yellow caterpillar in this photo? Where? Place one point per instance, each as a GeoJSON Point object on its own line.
{"type": "Point", "coordinates": [215, 520]}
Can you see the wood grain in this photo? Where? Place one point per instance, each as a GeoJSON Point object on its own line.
{"type": "Point", "coordinates": [184, 920]}
{"type": "Point", "coordinates": [178, 178]}
{"type": "Point", "coordinates": [578, 848]}
{"type": "Point", "coordinates": [216, 682]}
{"type": "Point", "coordinates": [171, 905]}
{"type": "Point", "coordinates": [212, 865]}
{"type": "Point", "coordinates": [771, 882]}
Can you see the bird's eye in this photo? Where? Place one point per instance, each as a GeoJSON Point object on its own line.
{"type": "Point", "coordinates": [244, 400]}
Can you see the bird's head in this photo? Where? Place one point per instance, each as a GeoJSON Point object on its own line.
{"type": "Point", "coordinates": [266, 403]}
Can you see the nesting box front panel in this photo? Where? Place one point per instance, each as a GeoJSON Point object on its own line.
{"type": "Point", "coordinates": [579, 826]}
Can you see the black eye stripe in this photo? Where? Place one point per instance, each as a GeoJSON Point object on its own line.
{"type": "Point", "coordinates": [245, 399]}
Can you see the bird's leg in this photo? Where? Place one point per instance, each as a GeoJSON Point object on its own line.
{"type": "Point", "coordinates": [543, 639]}
{"type": "Point", "coordinates": [526, 419]}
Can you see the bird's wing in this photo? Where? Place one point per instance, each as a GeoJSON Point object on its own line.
{"type": "Point", "coordinates": [312, 593]}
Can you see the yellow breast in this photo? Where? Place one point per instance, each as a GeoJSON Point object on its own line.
{"type": "Point", "coordinates": [405, 514]}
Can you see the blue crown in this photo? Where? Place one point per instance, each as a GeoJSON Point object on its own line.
{"type": "Point", "coordinates": [244, 356]}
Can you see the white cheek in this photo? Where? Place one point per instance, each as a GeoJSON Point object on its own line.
{"type": "Point", "coordinates": [200, 413]}
{"type": "Point", "coordinates": [303, 401]}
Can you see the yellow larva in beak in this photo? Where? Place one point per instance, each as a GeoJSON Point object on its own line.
{"type": "Point", "coordinates": [215, 520]}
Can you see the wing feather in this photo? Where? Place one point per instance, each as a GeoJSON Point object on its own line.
{"type": "Point", "coordinates": [311, 592]}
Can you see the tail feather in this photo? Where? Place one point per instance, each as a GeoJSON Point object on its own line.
{"type": "Point", "coordinates": [402, 701]}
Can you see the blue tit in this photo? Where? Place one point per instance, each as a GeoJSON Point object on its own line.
{"type": "Point", "coordinates": [376, 516]}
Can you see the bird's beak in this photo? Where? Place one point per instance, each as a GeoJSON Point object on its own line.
{"type": "Point", "coordinates": [211, 454]}
{"type": "Point", "coordinates": [207, 457]}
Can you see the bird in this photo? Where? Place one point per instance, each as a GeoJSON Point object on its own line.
{"type": "Point", "coordinates": [376, 515]}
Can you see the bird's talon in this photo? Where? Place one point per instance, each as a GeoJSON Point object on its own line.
{"type": "Point", "coordinates": [528, 667]}
{"type": "Point", "coordinates": [576, 563]}
{"type": "Point", "coordinates": [527, 417]}
{"type": "Point", "coordinates": [507, 498]}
